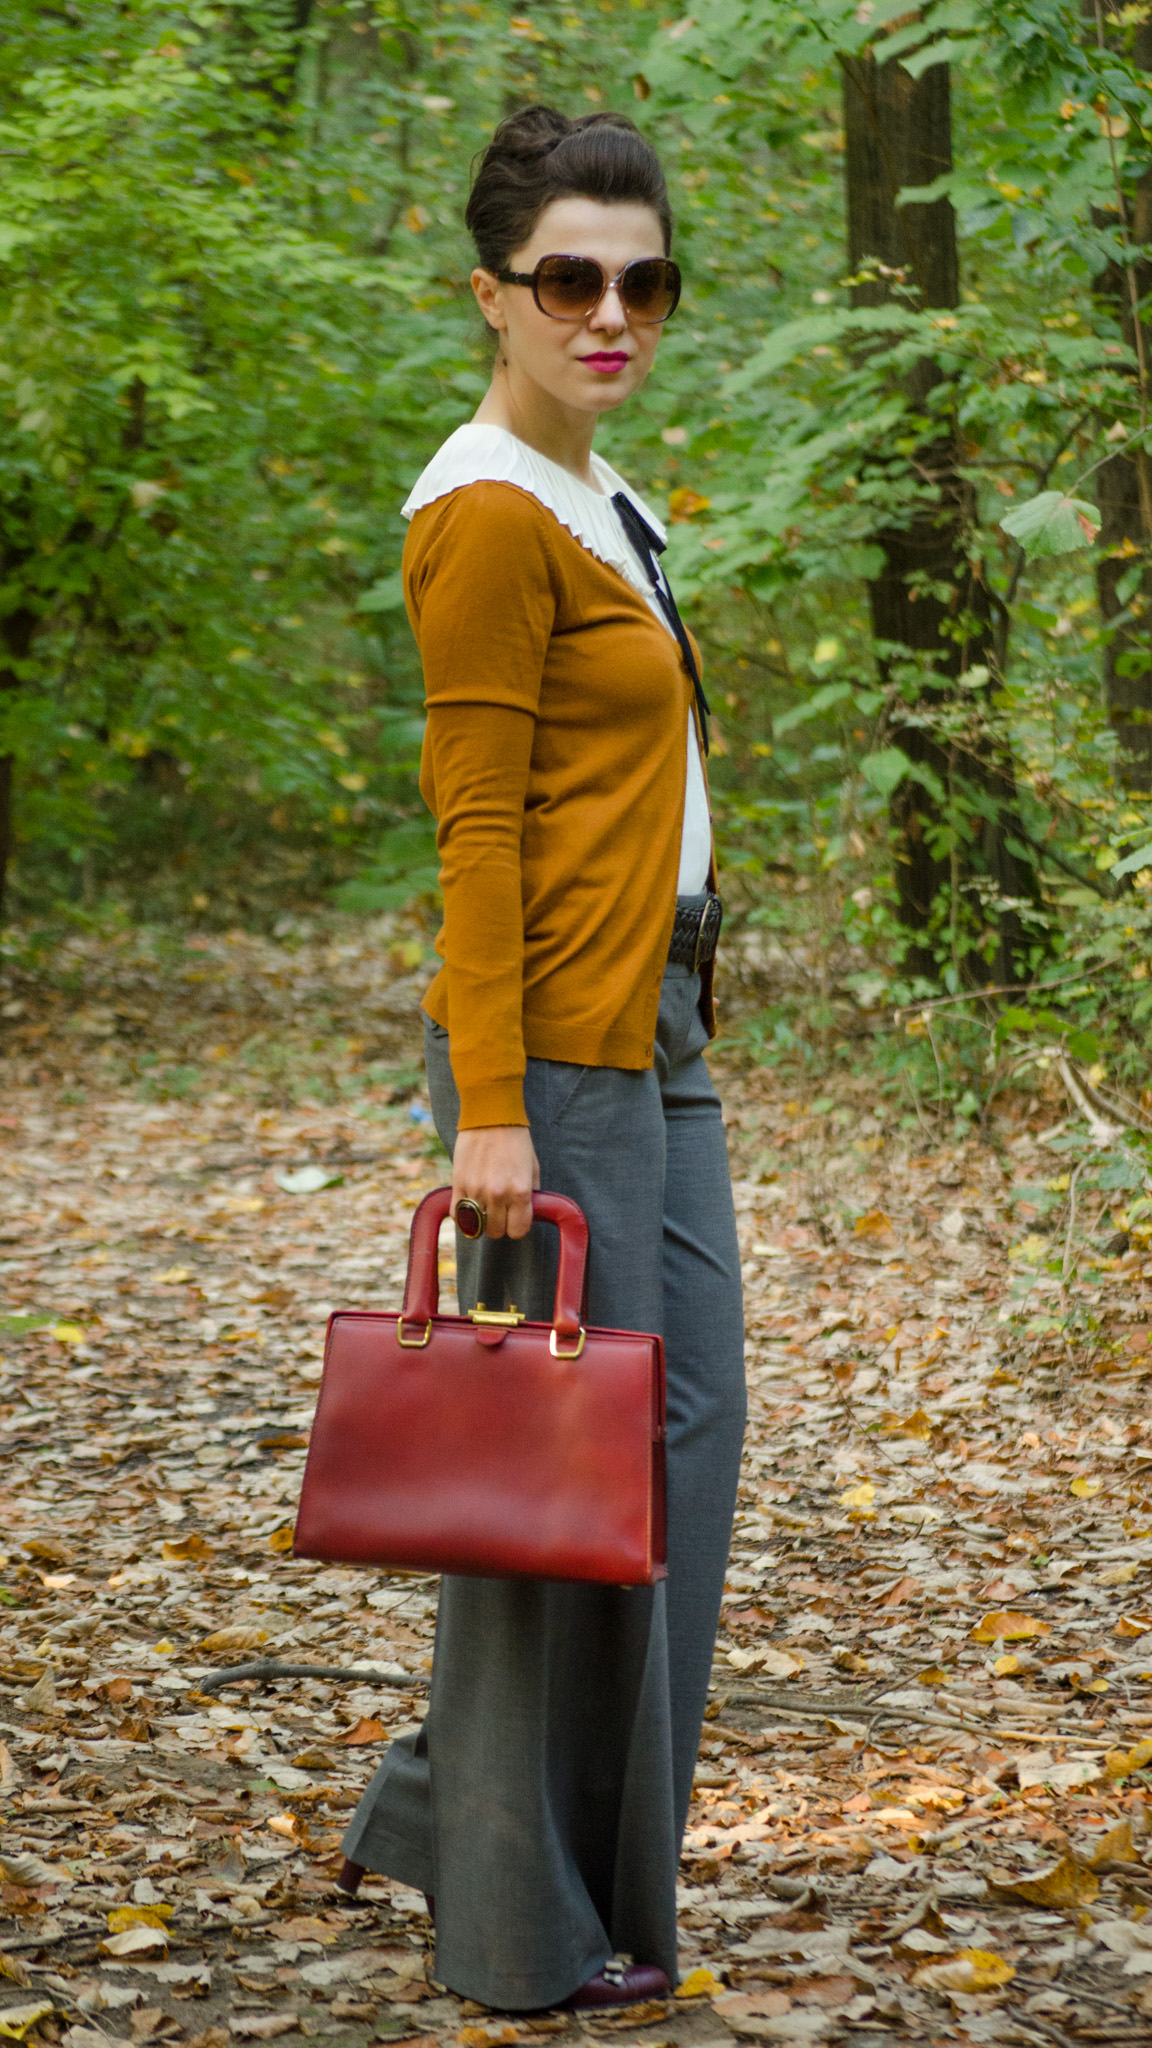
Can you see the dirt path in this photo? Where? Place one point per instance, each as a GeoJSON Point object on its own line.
{"type": "Point", "coordinates": [921, 1809]}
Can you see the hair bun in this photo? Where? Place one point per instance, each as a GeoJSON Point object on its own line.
{"type": "Point", "coordinates": [529, 134]}
{"type": "Point", "coordinates": [524, 169]}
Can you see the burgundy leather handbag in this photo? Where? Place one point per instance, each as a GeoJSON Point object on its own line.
{"type": "Point", "coordinates": [485, 1444]}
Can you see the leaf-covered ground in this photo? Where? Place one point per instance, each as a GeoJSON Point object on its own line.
{"type": "Point", "coordinates": [922, 1807]}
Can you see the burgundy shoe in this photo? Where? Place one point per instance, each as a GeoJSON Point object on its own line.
{"type": "Point", "coordinates": [351, 1876]}
{"type": "Point", "coordinates": [619, 1983]}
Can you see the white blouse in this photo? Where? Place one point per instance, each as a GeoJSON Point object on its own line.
{"type": "Point", "coordinates": [479, 453]}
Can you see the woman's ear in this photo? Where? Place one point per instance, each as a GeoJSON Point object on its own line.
{"type": "Point", "coordinates": [490, 299]}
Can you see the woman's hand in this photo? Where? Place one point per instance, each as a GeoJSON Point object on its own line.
{"type": "Point", "coordinates": [497, 1166]}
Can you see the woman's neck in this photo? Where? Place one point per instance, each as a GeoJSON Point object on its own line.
{"type": "Point", "coordinates": [558, 431]}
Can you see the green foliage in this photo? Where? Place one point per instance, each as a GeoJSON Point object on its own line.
{"type": "Point", "coordinates": [234, 323]}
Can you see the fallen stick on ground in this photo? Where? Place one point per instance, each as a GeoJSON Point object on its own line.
{"type": "Point", "coordinates": [874, 1707]}
{"type": "Point", "coordinates": [267, 1667]}
{"type": "Point", "coordinates": [812, 1707]}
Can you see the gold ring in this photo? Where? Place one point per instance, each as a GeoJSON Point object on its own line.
{"type": "Point", "coordinates": [471, 1217]}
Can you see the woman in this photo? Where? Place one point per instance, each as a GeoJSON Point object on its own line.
{"type": "Point", "coordinates": [542, 1803]}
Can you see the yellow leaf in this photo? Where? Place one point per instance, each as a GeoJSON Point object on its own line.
{"type": "Point", "coordinates": [851, 1660]}
{"type": "Point", "coordinates": [685, 503]}
{"type": "Point", "coordinates": [934, 1675]}
{"type": "Point", "coordinates": [1116, 1846]}
{"type": "Point", "coordinates": [408, 954]}
{"type": "Point", "coordinates": [973, 1969]}
{"type": "Point", "coordinates": [861, 1496]}
{"type": "Point", "coordinates": [180, 1548]}
{"type": "Point", "coordinates": [699, 1984]}
{"type": "Point", "coordinates": [164, 1648]}
{"type": "Point", "coordinates": [281, 1540]}
{"type": "Point", "coordinates": [1008, 1628]}
{"type": "Point", "coordinates": [916, 1425]}
{"type": "Point", "coordinates": [138, 1916]}
{"type": "Point", "coordinates": [13, 1970]}
{"type": "Point", "coordinates": [366, 1730]}
{"type": "Point", "coordinates": [174, 1275]}
{"type": "Point", "coordinates": [873, 1224]}
{"type": "Point", "coordinates": [825, 651]}
{"type": "Point", "coordinates": [354, 781]}
{"type": "Point", "coordinates": [235, 1639]}
{"type": "Point", "coordinates": [1030, 1248]}
{"type": "Point", "coordinates": [1086, 1489]}
{"type": "Point", "coordinates": [284, 1824]}
{"type": "Point", "coordinates": [1129, 1625]}
{"type": "Point", "coordinates": [136, 1941]}
{"type": "Point", "coordinates": [1006, 1667]}
{"type": "Point", "coordinates": [67, 1333]}
{"type": "Point", "coordinates": [1119, 1762]}
{"type": "Point", "coordinates": [17, 2020]}
{"type": "Point", "coordinates": [1068, 1882]}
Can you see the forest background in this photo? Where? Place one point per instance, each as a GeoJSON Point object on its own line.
{"type": "Point", "coordinates": [898, 428]}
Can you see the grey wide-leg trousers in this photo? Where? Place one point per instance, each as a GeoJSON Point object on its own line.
{"type": "Point", "coordinates": [544, 1799]}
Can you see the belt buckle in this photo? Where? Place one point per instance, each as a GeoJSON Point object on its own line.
{"type": "Point", "coordinates": [708, 928]}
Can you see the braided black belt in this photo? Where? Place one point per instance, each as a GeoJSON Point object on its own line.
{"type": "Point", "coordinates": [695, 931]}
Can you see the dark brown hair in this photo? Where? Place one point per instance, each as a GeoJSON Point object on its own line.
{"type": "Point", "coordinates": [538, 155]}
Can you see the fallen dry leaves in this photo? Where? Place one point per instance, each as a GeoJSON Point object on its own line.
{"type": "Point", "coordinates": [902, 1827]}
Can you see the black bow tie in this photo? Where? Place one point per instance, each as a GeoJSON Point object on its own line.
{"type": "Point", "coordinates": [647, 546]}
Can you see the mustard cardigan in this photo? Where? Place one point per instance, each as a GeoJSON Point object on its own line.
{"type": "Point", "coordinates": [553, 763]}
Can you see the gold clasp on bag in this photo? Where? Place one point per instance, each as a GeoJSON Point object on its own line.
{"type": "Point", "coordinates": [412, 1343]}
{"type": "Point", "coordinates": [556, 1351]}
{"type": "Point", "coordinates": [498, 1318]}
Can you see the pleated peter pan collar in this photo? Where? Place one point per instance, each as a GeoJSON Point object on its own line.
{"type": "Point", "coordinates": [479, 453]}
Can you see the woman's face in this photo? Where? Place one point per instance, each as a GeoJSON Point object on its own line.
{"type": "Point", "coordinates": [591, 364]}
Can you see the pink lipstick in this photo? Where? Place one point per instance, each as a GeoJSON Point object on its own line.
{"type": "Point", "coordinates": [607, 361]}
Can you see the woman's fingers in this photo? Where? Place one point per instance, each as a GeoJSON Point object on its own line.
{"type": "Point", "coordinates": [518, 1215]}
{"type": "Point", "coordinates": [497, 1168]}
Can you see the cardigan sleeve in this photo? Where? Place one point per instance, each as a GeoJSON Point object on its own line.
{"type": "Point", "coordinates": [479, 584]}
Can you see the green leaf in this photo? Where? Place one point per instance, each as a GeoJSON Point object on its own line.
{"type": "Point", "coordinates": [385, 596]}
{"type": "Point", "coordinates": [885, 769]}
{"type": "Point", "coordinates": [820, 700]}
{"type": "Point", "coordinates": [1052, 524]}
{"type": "Point", "coordinates": [17, 1325]}
{"type": "Point", "coordinates": [1141, 858]}
{"type": "Point", "coordinates": [944, 52]}
{"type": "Point", "coordinates": [1014, 1020]}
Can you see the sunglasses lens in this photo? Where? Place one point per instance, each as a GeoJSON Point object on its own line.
{"type": "Point", "coordinates": [650, 289]}
{"type": "Point", "coordinates": [567, 287]}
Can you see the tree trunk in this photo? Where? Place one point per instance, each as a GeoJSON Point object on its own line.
{"type": "Point", "coordinates": [1124, 496]}
{"type": "Point", "coordinates": [898, 133]}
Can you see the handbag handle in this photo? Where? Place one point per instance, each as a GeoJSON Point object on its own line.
{"type": "Point", "coordinates": [422, 1287]}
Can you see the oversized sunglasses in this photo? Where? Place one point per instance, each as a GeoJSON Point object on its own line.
{"type": "Point", "coordinates": [571, 287]}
